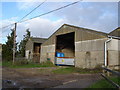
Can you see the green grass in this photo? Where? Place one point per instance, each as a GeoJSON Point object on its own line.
{"type": "Point", "coordinates": [26, 65]}
{"type": "Point", "coordinates": [105, 84]}
{"type": "Point", "coordinates": [63, 70]}
{"type": "Point", "coordinates": [0, 63]}
{"type": "Point", "coordinates": [69, 70]}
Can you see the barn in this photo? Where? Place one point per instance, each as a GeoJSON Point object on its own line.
{"type": "Point", "coordinates": [80, 47]}
{"type": "Point", "coordinates": [33, 47]}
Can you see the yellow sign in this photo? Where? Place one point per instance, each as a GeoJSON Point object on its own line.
{"type": "Point", "coordinates": [63, 60]}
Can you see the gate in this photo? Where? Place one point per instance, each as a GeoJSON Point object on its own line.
{"type": "Point", "coordinates": [116, 73]}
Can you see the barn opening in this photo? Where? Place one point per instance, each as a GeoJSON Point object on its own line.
{"type": "Point", "coordinates": [65, 49]}
{"type": "Point", "coordinates": [36, 53]}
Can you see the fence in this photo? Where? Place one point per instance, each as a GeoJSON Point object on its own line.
{"type": "Point", "coordinates": [114, 73]}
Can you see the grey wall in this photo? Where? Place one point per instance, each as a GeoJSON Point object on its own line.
{"type": "Point", "coordinates": [89, 47]}
{"type": "Point", "coordinates": [81, 34]}
{"type": "Point", "coordinates": [89, 53]}
{"type": "Point", "coordinates": [47, 51]}
{"type": "Point", "coordinates": [114, 52]}
{"type": "Point", "coordinates": [29, 48]}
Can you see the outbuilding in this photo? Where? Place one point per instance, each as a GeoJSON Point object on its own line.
{"type": "Point", "coordinates": [79, 47]}
{"type": "Point", "coordinates": [33, 48]}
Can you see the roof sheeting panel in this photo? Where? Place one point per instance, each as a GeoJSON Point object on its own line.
{"type": "Point", "coordinates": [38, 40]}
{"type": "Point", "coordinates": [80, 34]}
{"type": "Point", "coordinates": [116, 32]}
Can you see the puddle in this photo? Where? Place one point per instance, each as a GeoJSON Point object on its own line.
{"type": "Point", "coordinates": [29, 83]}
{"type": "Point", "coordinates": [19, 85]}
{"type": "Point", "coordinates": [10, 84]}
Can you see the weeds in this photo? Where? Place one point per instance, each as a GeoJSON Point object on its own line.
{"type": "Point", "coordinates": [75, 70]}
{"type": "Point", "coordinates": [26, 64]}
{"type": "Point", "coordinates": [105, 84]}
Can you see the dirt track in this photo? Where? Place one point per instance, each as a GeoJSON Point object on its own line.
{"type": "Point", "coordinates": [42, 78]}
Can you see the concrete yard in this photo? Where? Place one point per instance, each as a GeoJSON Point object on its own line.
{"type": "Point", "coordinates": [42, 78]}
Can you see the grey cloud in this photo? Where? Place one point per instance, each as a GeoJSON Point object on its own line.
{"type": "Point", "coordinates": [88, 15]}
{"type": "Point", "coordinates": [39, 27]}
{"type": "Point", "coordinates": [102, 16]}
{"type": "Point", "coordinates": [99, 16]}
{"type": "Point", "coordinates": [119, 14]}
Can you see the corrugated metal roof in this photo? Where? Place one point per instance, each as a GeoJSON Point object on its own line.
{"type": "Point", "coordinates": [88, 30]}
{"type": "Point", "coordinates": [115, 32]}
{"type": "Point", "coordinates": [85, 29]}
{"type": "Point", "coordinates": [38, 40]}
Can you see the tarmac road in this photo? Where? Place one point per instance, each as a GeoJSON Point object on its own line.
{"type": "Point", "coordinates": [81, 83]}
{"type": "Point", "coordinates": [34, 78]}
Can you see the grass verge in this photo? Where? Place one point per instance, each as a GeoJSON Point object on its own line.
{"type": "Point", "coordinates": [69, 70]}
{"type": "Point", "coordinates": [105, 84]}
{"type": "Point", "coordinates": [20, 64]}
{"type": "Point", "coordinates": [65, 70]}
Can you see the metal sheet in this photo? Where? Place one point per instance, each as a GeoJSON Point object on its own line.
{"type": "Point", "coordinates": [65, 61]}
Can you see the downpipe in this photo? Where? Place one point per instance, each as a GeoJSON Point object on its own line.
{"type": "Point", "coordinates": [105, 51]}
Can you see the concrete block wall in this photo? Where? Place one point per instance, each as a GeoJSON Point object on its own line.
{"type": "Point", "coordinates": [29, 49]}
{"type": "Point", "coordinates": [114, 52]}
{"type": "Point", "coordinates": [88, 59]}
{"type": "Point", "coordinates": [90, 45]}
{"type": "Point", "coordinates": [114, 45]}
{"type": "Point", "coordinates": [113, 58]}
{"type": "Point", "coordinates": [89, 53]}
{"type": "Point", "coordinates": [48, 51]}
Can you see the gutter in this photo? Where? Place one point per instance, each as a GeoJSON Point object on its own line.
{"type": "Point", "coordinates": [114, 37]}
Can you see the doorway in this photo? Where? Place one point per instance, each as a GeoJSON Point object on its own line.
{"type": "Point", "coordinates": [65, 49]}
{"type": "Point", "coordinates": [36, 52]}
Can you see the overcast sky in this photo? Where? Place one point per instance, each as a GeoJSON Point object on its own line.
{"type": "Point", "coordinates": [100, 16]}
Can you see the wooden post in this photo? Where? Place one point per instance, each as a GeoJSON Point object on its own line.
{"type": "Point", "coordinates": [108, 73]}
{"type": "Point", "coordinates": [14, 45]}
